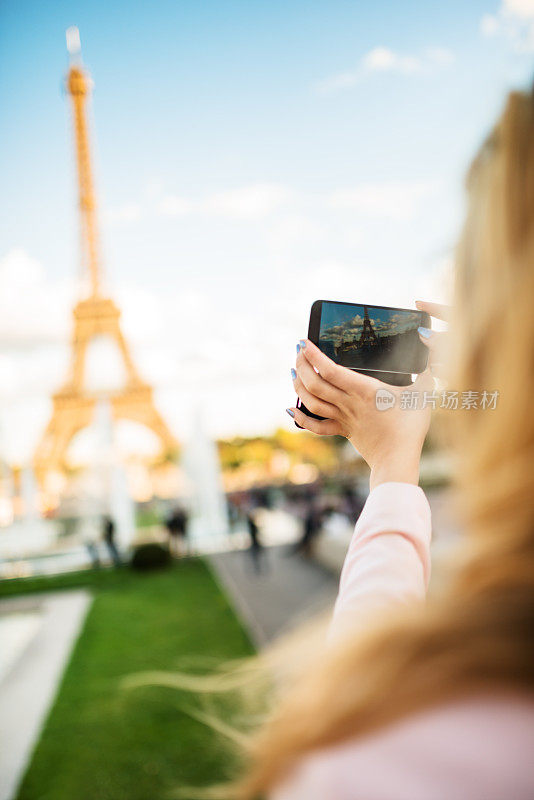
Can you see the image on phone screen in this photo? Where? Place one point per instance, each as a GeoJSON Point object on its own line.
{"type": "Point", "coordinates": [370, 337]}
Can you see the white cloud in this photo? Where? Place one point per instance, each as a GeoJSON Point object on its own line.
{"type": "Point", "coordinates": [514, 21]}
{"type": "Point", "coordinates": [383, 59]}
{"type": "Point", "coordinates": [293, 217]}
{"type": "Point", "coordinates": [489, 25]}
{"type": "Point", "coordinates": [127, 212]}
{"type": "Point", "coordinates": [392, 200]}
{"type": "Point", "coordinates": [248, 202]}
{"type": "Point", "coordinates": [34, 330]}
{"type": "Point", "coordinates": [252, 202]}
{"type": "Point", "coordinates": [19, 270]}
{"type": "Point", "coordinates": [174, 206]}
{"type": "Point", "coordinates": [440, 55]}
{"type": "Point", "coordinates": [24, 293]}
{"type": "Point", "coordinates": [344, 80]}
{"type": "Point", "coordinates": [290, 230]}
{"type": "Point", "coordinates": [521, 8]}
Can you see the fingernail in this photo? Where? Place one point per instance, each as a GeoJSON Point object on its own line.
{"type": "Point", "coordinates": [298, 349]}
{"type": "Point", "coordinates": [293, 374]}
{"type": "Point", "coordinates": [290, 412]}
{"type": "Point", "coordinates": [425, 332]}
{"type": "Point", "coordinates": [303, 343]}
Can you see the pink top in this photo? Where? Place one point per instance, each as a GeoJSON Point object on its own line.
{"type": "Point", "coordinates": [480, 748]}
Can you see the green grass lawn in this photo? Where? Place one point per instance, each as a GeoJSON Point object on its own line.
{"type": "Point", "coordinates": [102, 742]}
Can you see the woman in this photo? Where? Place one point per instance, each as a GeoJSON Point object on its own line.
{"type": "Point", "coordinates": [432, 701]}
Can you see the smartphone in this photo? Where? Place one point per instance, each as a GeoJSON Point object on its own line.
{"type": "Point", "coordinates": [377, 340]}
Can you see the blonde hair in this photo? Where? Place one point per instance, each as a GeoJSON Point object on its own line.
{"type": "Point", "coordinates": [477, 635]}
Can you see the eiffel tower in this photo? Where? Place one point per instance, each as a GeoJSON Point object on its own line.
{"type": "Point", "coordinates": [368, 335]}
{"type": "Point", "coordinates": [95, 315]}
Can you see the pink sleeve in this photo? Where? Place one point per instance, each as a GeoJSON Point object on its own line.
{"type": "Point", "coordinates": [388, 560]}
{"type": "Point", "coordinates": [476, 748]}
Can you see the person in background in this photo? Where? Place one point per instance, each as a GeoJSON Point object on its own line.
{"type": "Point", "coordinates": [176, 525]}
{"type": "Point", "coordinates": [410, 700]}
{"type": "Point", "coordinates": [256, 548]}
{"type": "Point", "coordinates": [109, 538]}
{"type": "Point", "coordinates": [313, 519]}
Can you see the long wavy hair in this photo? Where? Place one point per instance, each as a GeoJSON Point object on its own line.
{"type": "Point", "coordinates": [476, 635]}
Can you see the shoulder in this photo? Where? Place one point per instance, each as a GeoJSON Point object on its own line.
{"type": "Point", "coordinates": [475, 749]}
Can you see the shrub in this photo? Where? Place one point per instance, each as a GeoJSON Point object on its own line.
{"type": "Point", "coordinates": [151, 556]}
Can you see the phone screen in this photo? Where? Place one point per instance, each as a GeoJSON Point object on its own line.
{"type": "Point", "coordinates": [366, 337]}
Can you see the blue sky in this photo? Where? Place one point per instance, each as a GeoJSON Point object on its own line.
{"type": "Point", "coordinates": [250, 157]}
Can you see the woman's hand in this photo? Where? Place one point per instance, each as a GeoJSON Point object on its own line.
{"type": "Point", "coordinates": [389, 440]}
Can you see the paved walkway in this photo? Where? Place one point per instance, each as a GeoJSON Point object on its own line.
{"type": "Point", "coordinates": [39, 632]}
{"type": "Point", "coordinates": [288, 590]}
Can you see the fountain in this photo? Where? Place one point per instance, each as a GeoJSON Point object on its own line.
{"type": "Point", "coordinates": [209, 513]}
{"type": "Point", "coordinates": [106, 485]}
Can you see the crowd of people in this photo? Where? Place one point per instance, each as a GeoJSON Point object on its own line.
{"type": "Point", "coordinates": [308, 505]}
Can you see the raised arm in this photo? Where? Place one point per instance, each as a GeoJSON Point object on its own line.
{"type": "Point", "coordinates": [388, 561]}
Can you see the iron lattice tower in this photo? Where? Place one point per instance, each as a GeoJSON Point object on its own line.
{"type": "Point", "coordinates": [95, 314]}
{"type": "Point", "coordinates": [368, 335]}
